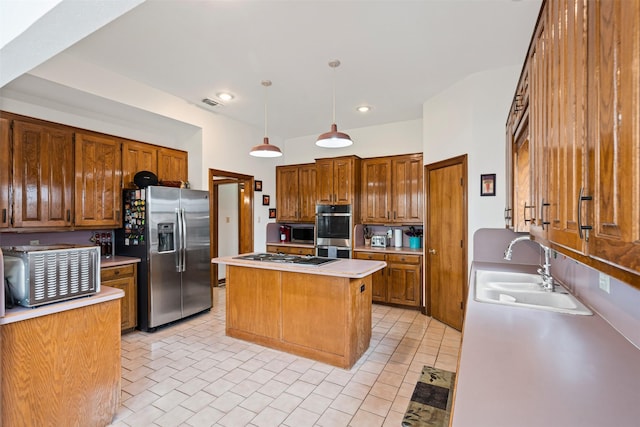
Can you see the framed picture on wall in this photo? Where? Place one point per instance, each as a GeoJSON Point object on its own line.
{"type": "Point", "coordinates": [266, 200]}
{"type": "Point", "coordinates": [488, 184]}
{"type": "Point", "coordinates": [257, 185]}
{"type": "Point", "coordinates": [272, 213]}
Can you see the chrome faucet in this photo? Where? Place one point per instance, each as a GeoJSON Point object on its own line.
{"type": "Point", "coordinates": [545, 269]}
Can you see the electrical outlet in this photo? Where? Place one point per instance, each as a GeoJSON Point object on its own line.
{"type": "Point", "coordinates": [603, 283]}
{"type": "Point", "coordinates": [34, 242]}
{"type": "Point", "coordinates": [228, 219]}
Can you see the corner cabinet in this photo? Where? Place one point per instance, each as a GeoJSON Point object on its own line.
{"type": "Point", "coordinates": [123, 277]}
{"type": "Point", "coordinates": [5, 177]}
{"type": "Point", "coordinates": [296, 193]}
{"type": "Point", "coordinates": [585, 133]}
{"type": "Point", "coordinates": [400, 282]}
{"type": "Point", "coordinates": [98, 183]}
{"type": "Point", "coordinates": [338, 180]}
{"type": "Point", "coordinates": [42, 175]}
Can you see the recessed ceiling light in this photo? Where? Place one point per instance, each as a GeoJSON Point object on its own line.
{"type": "Point", "coordinates": [364, 108]}
{"type": "Point", "coordinates": [225, 96]}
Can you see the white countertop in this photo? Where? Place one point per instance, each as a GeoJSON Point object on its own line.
{"type": "Point", "coordinates": [18, 313]}
{"type": "Point", "coordinates": [526, 367]}
{"type": "Point", "coordinates": [352, 268]}
{"type": "Point", "coordinates": [117, 260]}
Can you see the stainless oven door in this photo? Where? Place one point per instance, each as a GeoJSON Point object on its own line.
{"type": "Point", "coordinates": [333, 225]}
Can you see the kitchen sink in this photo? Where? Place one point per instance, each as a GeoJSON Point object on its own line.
{"type": "Point", "coordinates": [524, 290]}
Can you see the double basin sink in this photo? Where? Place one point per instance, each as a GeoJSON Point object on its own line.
{"type": "Point", "coordinates": [524, 290]}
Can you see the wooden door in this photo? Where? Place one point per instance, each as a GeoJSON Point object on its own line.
{"type": "Point", "coordinates": [5, 165]}
{"type": "Point", "coordinates": [307, 193]}
{"type": "Point", "coordinates": [406, 189]}
{"type": "Point", "coordinates": [136, 157]}
{"type": "Point", "coordinates": [446, 248]}
{"type": "Point", "coordinates": [98, 166]}
{"type": "Point", "coordinates": [614, 133]}
{"type": "Point", "coordinates": [324, 181]}
{"type": "Point", "coordinates": [376, 188]}
{"type": "Point", "coordinates": [172, 165]}
{"type": "Point", "coordinates": [287, 193]}
{"type": "Point", "coordinates": [42, 175]}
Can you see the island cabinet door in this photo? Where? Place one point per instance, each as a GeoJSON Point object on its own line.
{"type": "Point", "coordinates": [253, 303]}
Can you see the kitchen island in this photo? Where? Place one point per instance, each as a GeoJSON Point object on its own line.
{"type": "Point", "coordinates": [322, 312]}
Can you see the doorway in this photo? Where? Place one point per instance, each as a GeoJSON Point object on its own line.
{"type": "Point", "coordinates": [238, 189]}
{"type": "Point", "coordinates": [446, 251]}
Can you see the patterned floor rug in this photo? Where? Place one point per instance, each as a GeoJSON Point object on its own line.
{"type": "Point", "coordinates": [432, 398]}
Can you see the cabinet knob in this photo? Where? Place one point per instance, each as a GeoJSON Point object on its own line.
{"type": "Point", "coordinates": [432, 251]}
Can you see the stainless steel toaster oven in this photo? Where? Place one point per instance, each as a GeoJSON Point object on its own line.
{"type": "Point", "coordinates": [43, 274]}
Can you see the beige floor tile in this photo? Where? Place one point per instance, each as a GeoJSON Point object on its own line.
{"type": "Point", "coordinates": [376, 405]}
{"type": "Point", "coordinates": [328, 389]}
{"type": "Point", "coordinates": [256, 402]}
{"type": "Point", "coordinates": [316, 403]}
{"type": "Point", "coordinates": [347, 404]}
{"type": "Point", "coordinates": [237, 416]}
{"type": "Point", "coordinates": [174, 418]}
{"type": "Point", "coordinates": [366, 419]}
{"type": "Point", "coordinates": [198, 401]}
{"type": "Point", "coordinates": [206, 417]}
{"type": "Point", "coordinates": [301, 389]}
{"type": "Point", "coordinates": [165, 386]}
{"type": "Point", "coordinates": [227, 401]}
{"type": "Point", "coordinates": [269, 417]}
{"type": "Point", "coordinates": [286, 402]}
{"type": "Point", "coordinates": [300, 417]}
{"type": "Point", "coordinates": [334, 418]}
{"type": "Point", "coordinates": [357, 390]}
{"type": "Point", "coordinates": [394, 419]}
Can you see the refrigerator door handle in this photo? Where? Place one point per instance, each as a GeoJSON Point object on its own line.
{"type": "Point", "coordinates": [184, 240]}
{"type": "Point", "coordinates": [179, 242]}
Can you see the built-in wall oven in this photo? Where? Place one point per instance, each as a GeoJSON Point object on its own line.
{"type": "Point", "coordinates": [334, 228]}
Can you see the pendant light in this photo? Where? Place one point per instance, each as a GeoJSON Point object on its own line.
{"type": "Point", "coordinates": [265, 149]}
{"type": "Point", "coordinates": [333, 138]}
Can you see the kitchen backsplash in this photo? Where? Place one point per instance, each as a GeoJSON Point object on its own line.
{"type": "Point", "coordinates": [82, 237]}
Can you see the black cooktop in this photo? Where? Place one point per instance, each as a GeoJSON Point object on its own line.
{"type": "Point", "coordinates": [287, 259]}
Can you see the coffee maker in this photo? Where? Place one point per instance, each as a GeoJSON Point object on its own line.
{"type": "Point", "coordinates": [285, 233]}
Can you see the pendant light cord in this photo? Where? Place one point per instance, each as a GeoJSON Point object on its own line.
{"type": "Point", "coordinates": [266, 84]}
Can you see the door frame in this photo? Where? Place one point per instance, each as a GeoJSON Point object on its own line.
{"type": "Point", "coordinates": [245, 212]}
{"type": "Point", "coordinates": [462, 159]}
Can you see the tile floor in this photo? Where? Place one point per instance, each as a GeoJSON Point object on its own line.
{"type": "Point", "coordinates": [191, 374]}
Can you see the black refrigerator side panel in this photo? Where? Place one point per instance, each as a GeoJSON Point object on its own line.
{"type": "Point", "coordinates": [131, 240]}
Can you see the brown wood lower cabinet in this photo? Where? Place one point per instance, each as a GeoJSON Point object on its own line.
{"type": "Point", "coordinates": [62, 369]}
{"type": "Point", "coordinates": [325, 318]}
{"type": "Point", "coordinates": [399, 282]}
{"type": "Point", "coordinates": [123, 277]}
{"type": "Point", "coordinates": [294, 250]}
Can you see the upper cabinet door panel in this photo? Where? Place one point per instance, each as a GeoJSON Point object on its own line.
{"type": "Point", "coordinates": [406, 189]}
{"type": "Point", "coordinates": [324, 181]}
{"type": "Point", "coordinates": [614, 141]}
{"type": "Point", "coordinates": [343, 177]}
{"type": "Point", "coordinates": [375, 190]}
{"type": "Point", "coordinates": [172, 165]}
{"type": "Point", "coordinates": [287, 191]}
{"type": "Point", "coordinates": [5, 168]}
{"type": "Point", "coordinates": [98, 181]}
{"type": "Point", "coordinates": [307, 193]}
{"type": "Point", "coordinates": [42, 175]}
{"type": "Point", "coordinates": [136, 157]}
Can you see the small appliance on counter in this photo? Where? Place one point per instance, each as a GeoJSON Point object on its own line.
{"type": "Point", "coordinates": [285, 233]}
{"type": "Point", "coordinates": [379, 241]}
{"type": "Point", "coordinates": [49, 273]}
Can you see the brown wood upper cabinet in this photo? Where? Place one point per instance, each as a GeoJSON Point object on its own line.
{"type": "Point", "coordinates": [42, 175]}
{"type": "Point", "coordinates": [392, 189]}
{"type": "Point", "coordinates": [5, 165]}
{"type": "Point", "coordinates": [585, 132]}
{"type": "Point", "coordinates": [98, 167]}
{"type": "Point", "coordinates": [296, 193]}
{"type": "Point", "coordinates": [172, 165]}
{"type": "Point", "coordinates": [337, 180]}
{"type": "Point", "coordinates": [136, 157]}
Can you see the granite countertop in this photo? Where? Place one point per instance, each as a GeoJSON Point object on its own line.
{"type": "Point", "coordinates": [526, 367]}
{"type": "Point", "coordinates": [117, 260]}
{"type": "Point", "coordinates": [404, 250]}
{"type": "Point", "coordinates": [18, 313]}
{"type": "Point", "coordinates": [351, 268]}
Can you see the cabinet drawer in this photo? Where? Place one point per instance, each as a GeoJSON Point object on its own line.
{"type": "Point", "coordinates": [369, 255]}
{"type": "Point", "coordinates": [111, 273]}
{"type": "Point", "coordinates": [405, 259]}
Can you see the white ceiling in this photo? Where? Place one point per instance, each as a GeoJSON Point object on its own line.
{"type": "Point", "coordinates": [394, 54]}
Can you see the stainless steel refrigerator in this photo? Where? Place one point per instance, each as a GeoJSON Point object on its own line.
{"type": "Point", "coordinates": [168, 229]}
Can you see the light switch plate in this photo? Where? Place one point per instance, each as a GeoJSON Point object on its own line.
{"type": "Point", "coordinates": [34, 242]}
{"type": "Point", "coordinates": [603, 283]}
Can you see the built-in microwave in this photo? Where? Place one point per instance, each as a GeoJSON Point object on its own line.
{"type": "Point", "coordinates": [302, 233]}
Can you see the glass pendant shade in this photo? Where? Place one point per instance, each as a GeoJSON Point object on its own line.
{"type": "Point", "coordinates": [265, 150]}
{"type": "Point", "coordinates": [334, 139]}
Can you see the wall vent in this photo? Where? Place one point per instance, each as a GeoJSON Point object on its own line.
{"type": "Point", "coordinates": [211, 102]}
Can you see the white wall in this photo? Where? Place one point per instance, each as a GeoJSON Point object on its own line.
{"type": "Point", "coordinates": [469, 118]}
{"type": "Point", "coordinates": [383, 140]}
